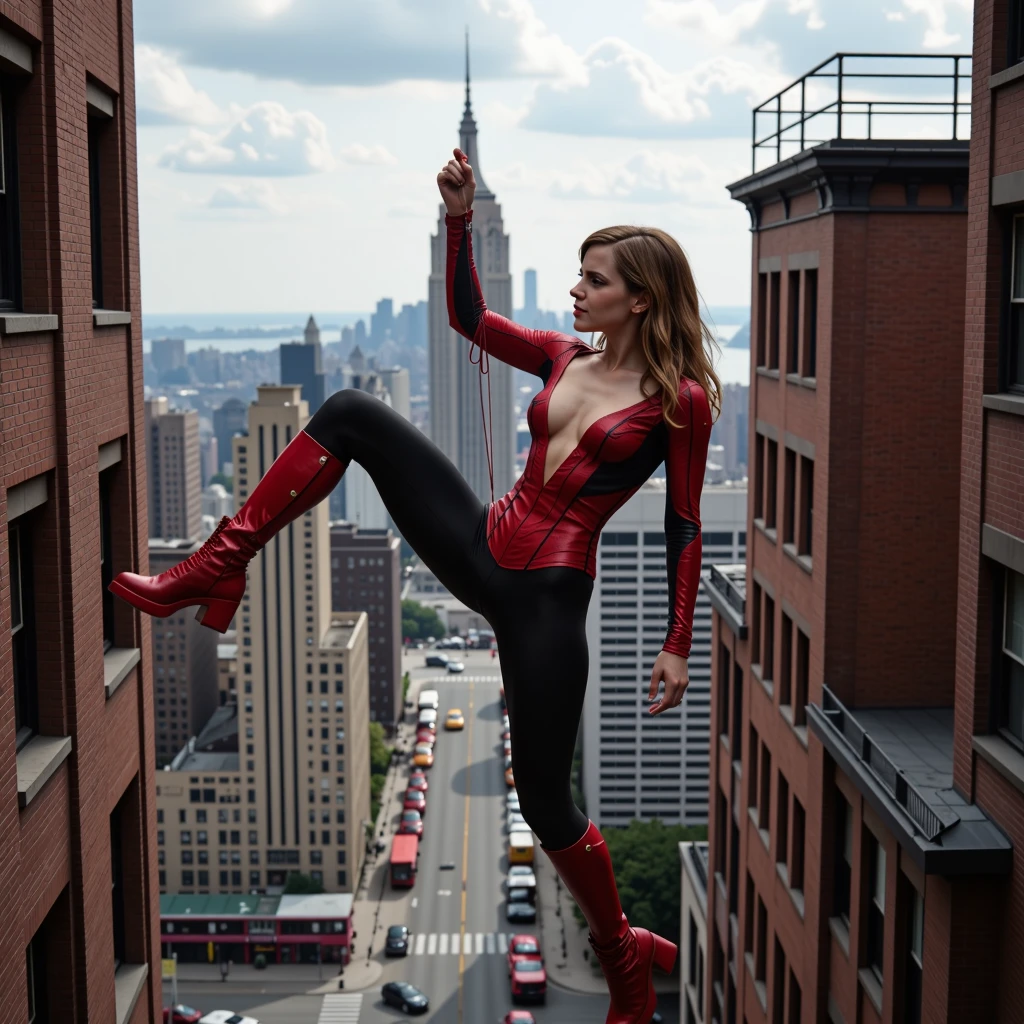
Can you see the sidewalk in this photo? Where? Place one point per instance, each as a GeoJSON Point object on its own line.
{"type": "Point", "coordinates": [567, 954]}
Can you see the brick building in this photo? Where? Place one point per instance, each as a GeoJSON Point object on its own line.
{"type": "Point", "coordinates": [858, 872]}
{"type": "Point", "coordinates": [77, 816]}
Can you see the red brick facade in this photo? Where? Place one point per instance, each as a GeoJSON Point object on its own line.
{"type": "Point", "coordinates": [68, 392]}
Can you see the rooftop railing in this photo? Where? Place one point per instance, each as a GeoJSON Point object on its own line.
{"type": "Point", "coordinates": [866, 96]}
{"type": "Point", "coordinates": [892, 778]}
{"type": "Point", "coordinates": [733, 589]}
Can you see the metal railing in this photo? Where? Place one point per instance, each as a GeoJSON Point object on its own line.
{"type": "Point", "coordinates": [892, 778]}
{"type": "Point", "coordinates": [799, 111]}
{"type": "Point", "coordinates": [728, 588]}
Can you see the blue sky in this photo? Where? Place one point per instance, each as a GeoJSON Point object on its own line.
{"type": "Point", "coordinates": [288, 148]}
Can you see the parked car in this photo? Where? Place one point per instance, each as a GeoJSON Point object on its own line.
{"type": "Point", "coordinates": [521, 876]}
{"type": "Point", "coordinates": [406, 997]}
{"type": "Point", "coordinates": [454, 719]}
{"type": "Point", "coordinates": [515, 822]}
{"type": "Point", "coordinates": [417, 780]}
{"type": "Point", "coordinates": [397, 941]}
{"type": "Point", "coordinates": [456, 666]}
{"type": "Point", "coordinates": [428, 717]}
{"type": "Point", "coordinates": [181, 1014]}
{"type": "Point", "coordinates": [426, 735]}
{"type": "Point", "coordinates": [510, 779]}
{"type": "Point", "coordinates": [529, 980]}
{"type": "Point", "coordinates": [512, 800]}
{"type": "Point", "coordinates": [518, 906]}
{"type": "Point", "coordinates": [414, 800]}
{"type": "Point", "coordinates": [522, 945]}
{"type": "Point", "coordinates": [518, 1017]}
{"type": "Point", "coordinates": [428, 699]}
{"type": "Point", "coordinates": [436, 660]}
{"type": "Point", "coordinates": [423, 755]}
{"type": "Point", "coordinates": [411, 824]}
{"type": "Point", "coordinates": [226, 1017]}
{"type": "Point", "coordinates": [506, 747]}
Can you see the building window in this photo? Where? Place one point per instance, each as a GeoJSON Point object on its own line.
{"type": "Point", "coordinates": [771, 473]}
{"type": "Point", "coordinates": [23, 632]}
{"type": "Point", "coordinates": [1012, 710]}
{"type": "Point", "coordinates": [1015, 34]}
{"type": "Point", "coordinates": [796, 863]}
{"type": "Point", "coordinates": [810, 353]}
{"type": "Point", "coordinates": [762, 317]}
{"type": "Point", "coordinates": [801, 677]}
{"type": "Point", "coordinates": [789, 496]}
{"type": "Point", "coordinates": [782, 821]}
{"type": "Point", "coordinates": [793, 311]}
{"type": "Point", "coordinates": [915, 956]}
{"type": "Point", "coordinates": [117, 885]}
{"type": "Point", "coordinates": [35, 974]}
{"type": "Point", "coordinates": [10, 246]}
{"type": "Point", "coordinates": [759, 440]}
{"type": "Point", "coordinates": [805, 523]}
{"type": "Point", "coordinates": [876, 905]}
{"type": "Point", "coordinates": [768, 653]}
{"type": "Point", "coordinates": [843, 857]}
{"type": "Point", "coordinates": [764, 800]}
{"type": "Point", "coordinates": [786, 662]}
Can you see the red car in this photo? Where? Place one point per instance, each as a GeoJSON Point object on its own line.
{"type": "Point", "coordinates": [518, 1017]}
{"type": "Point", "coordinates": [426, 736]}
{"type": "Point", "coordinates": [418, 781]}
{"type": "Point", "coordinates": [523, 945]}
{"type": "Point", "coordinates": [411, 824]}
{"type": "Point", "coordinates": [181, 1014]}
{"type": "Point", "coordinates": [529, 980]}
{"type": "Point", "coordinates": [414, 801]}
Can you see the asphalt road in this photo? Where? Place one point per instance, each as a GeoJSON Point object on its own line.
{"type": "Point", "coordinates": [464, 824]}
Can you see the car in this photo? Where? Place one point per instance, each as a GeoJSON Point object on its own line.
{"type": "Point", "coordinates": [457, 643]}
{"type": "Point", "coordinates": [181, 1014]}
{"type": "Point", "coordinates": [397, 941]}
{"type": "Point", "coordinates": [506, 748]}
{"type": "Point", "coordinates": [428, 716]}
{"type": "Point", "coordinates": [414, 800]}
{"type": "Point", "coordinates": [510, 779]}
{"type": "Point", "coordinates": [411, 823]}
{"type": "Point", "coordinates": [522, 945]}
{"type": "Point", "coordinates": [417, 780]}
{"type": "Point", "coordinates": [406, 997]}
{"type": "Point", "coordinates": [426, 735]}
{"type": "Point", "coordinates": [456, 666]}
{"type": "Point", "coordinates": [518, 905]}
{"type": "Point", "coordinates": [505, 734]}
{"type": "Point", "coordinates": [518, 1017]}
{"type": "Point", "coordinates": [515, 822]}
{"type": "Point", "coordinates": [423, 755]}
{"type": "Point", "coordinates": [512, 800]}
{"type": "Point", "coordinates": [529, 980]}
{"type": "Point", "coordinates": [226, 1017]}
{"type": "Point", "coordinates": [521, 876]}
{"type": "Point", "coordinates": [436, 660]}
{"type": "Point", "coordinates": [454, 719]}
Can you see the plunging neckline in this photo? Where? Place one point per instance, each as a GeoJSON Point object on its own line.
{"type": "Point", "coordinates": [547, 405]}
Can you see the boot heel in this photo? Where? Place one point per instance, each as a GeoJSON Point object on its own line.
{"type": "Point", "coordinates": [217, 615]}
{"type": "Point", "coordinates": [664, 954]}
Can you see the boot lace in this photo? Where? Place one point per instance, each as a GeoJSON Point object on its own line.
{"type": "Point", "coordinates": [197, 558]}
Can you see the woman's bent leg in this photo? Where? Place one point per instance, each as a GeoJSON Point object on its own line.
{"type": "Point", "coordinates": [435, 509]}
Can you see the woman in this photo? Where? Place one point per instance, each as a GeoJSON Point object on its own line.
{"type": "Point", "coordinates": [605, 419]}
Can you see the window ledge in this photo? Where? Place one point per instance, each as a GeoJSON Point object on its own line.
{"type": "Point", "coordinates": [110, 317]}
{"type": "Point", "coordinates": [1005, 401]}
{"type": "Point", "coordinates": [117, 663]}
{"type": "Point", "coordinates": [759, 986]}
{"type": "Point", "coordinates": [840, 933]}
{"type": "Point", "coordinates": [804, 382]}
{"type": "Point", "coordinates": [128, 982]}
{"type": "Point", "coordinates": [869, 983]}
{"type": "Point", "coordinates": [23, 323]}
{"type": "Point", "coordinates": [1003, 756]}
{"type": "Point", "coordinates": [767, 371]}
{"type": "Point", "coordinates": [1010, 74]}
{"type": "Point", "coordinates": [37, 762]}
{"type": "Point", "coordinates": [800, 731]}
{"type": "Point", "coordinates": [767, 684]}
{"type": "Point", "coordinates": [804, 561]}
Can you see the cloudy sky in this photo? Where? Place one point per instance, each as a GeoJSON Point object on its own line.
{"type": "Point", "coordinates": [288, 148]}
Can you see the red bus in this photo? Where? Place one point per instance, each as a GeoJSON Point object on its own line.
{"type": "Point", "coordinates": [404, 851]}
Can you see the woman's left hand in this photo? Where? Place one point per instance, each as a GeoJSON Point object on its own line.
{"type": "Point", "coordinates": [674, 670]}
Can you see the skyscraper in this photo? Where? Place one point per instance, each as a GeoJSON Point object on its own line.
{"type": "Point", "coordinates": [456, 424]}
{"type": "Point", "coordinates": [174, 481]}
{"type": "Point", "coordinates": [301, 364]}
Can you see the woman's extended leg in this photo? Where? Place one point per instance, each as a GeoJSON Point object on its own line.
{"type": "Point", "coordinates": [433, 507]}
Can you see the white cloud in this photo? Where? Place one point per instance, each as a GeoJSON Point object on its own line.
{"type": "Point", "coordinates": [357, 153]}
{"type": "Point", "coordinates": [249, 197]}
{"type": "Point", "coordinates": [264, 140]}
{"type": "Point", "coordinates": [164, 95]}
{"type": "Point", "coordinates": [647, 177]}
{"type": "Point", "coordinates": [706, 17]}
{"type": "Point", "coordinates": [937, 14]}
{"type": "Point", "coordinates": [627, 93]}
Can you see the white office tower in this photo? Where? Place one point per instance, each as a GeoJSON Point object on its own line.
{"type": "Point", "coordinates": [456, 424]}
{"type": "Point", "coordinates": [396, 380]}
{"type": "Point", "coordinates": [636, 765]}
{"type": "Point", "coordinates": [363, 505]}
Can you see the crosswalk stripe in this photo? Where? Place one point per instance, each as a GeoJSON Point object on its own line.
{"type": "Point", "coordinates": [467, 942]}
{"type": "Point", "coordinates": [341, 1009]}
{"type": "Point", "coordinates": [455, 943]}
{"type": "Point", "coordinates": [444, 943]}
{"type": "Point", "coordinates": [450, 943]}
{"type": "Point", "coordinates": [489, 942]}
{"type": "Point", "coordinates": [502, 942]}
{"type": "Point", "coordinates": [479, 942]}
{"type": "Point", "coordinates": [420, 942]}
{"type": "Point", "coordinates": [432, 944]}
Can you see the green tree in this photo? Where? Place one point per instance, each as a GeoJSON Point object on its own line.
{"type": "Point", "coordinates": [228, 482]}
{"type": "Point", "coordinates": [419, 622]}
{"type": "Point", "coordinates": [405, 686]}
{"type": "Point", "coordinates": [298, 884]}
{"type": "Point", "coordinates": [380, 752]}
{"type": "Point", "coordinates": [646, 859]}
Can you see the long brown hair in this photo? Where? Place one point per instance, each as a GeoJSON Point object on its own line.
{"type": "Point", "coordinates": [672, 332]}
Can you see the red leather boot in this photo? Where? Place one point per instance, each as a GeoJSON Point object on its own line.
{"type": "Point", "coordinates": [214, 577]}
{"type": "Point", "coordinates": [627, 955]}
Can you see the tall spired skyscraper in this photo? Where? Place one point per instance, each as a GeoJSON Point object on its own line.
{"type": "Point", "coordinates": [456, 424]}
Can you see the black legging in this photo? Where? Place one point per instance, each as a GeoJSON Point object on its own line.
{"type": "Point", "coordinates": [538, 615]}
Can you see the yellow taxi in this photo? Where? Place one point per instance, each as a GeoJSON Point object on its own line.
{"type": "Point", "coordinates": [423, 756]}
{"type": "Point", "coordinates": [454, 719]}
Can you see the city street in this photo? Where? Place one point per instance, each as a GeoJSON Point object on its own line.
{"type": "Point", "coordinates": [456, 917]}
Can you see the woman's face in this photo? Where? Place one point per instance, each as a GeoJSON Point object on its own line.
{"type": "Point", "coordinates": [603, 303]}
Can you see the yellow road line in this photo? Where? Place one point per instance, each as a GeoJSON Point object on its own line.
{"type": "Point", "coordinates": [465, 849]}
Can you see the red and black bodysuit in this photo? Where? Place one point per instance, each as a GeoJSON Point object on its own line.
{"type": "Point", "coordinates": [526, 563]}
{"type": "Point", "coordinates": [558, 523]}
